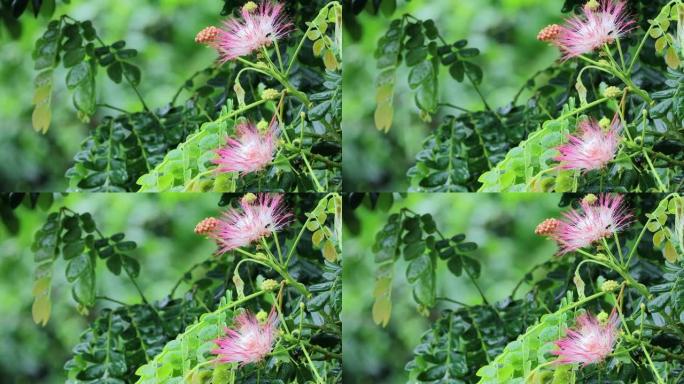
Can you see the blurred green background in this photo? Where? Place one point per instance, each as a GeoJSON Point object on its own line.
{"type": "Point", "coordinates": [505, 32]}
{"type": "Point", "coordinates": [161, 224]}
{"type": "Point", "coordinates": [501, 224]}
{"type": "Point", "coordinates": [162, 31]}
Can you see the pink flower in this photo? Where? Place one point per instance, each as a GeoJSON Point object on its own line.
{"type": "Point", "coordinates": [591, 341]}
{"type": "Point", "coordinates": [257, 28]}
{"type": "Point", "coordinates": [252, 150]}
{"type": "Point", "coordinates": [593, 222]}
{"type": "Point", "coordinates": [597, 27]}
{"type": "Point", "coordinates": [592, 149]}
{"type": "Point", "coordinates": [255, 219]}
{"type": "Point", "coordinates": [250, 341]}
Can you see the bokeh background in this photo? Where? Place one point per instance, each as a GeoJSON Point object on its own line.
{"type": "Point", "coordinates": [505, 32]}
{"type": "Point", "coordinates": [161, 224]}
{"type": "Point", "coordinates": [503, 227]}
{"type": "Point", "coordinates": [162, 31]}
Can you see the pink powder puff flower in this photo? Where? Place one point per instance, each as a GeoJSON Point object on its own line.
{"type": "Point", "coordinates": [249, 341]}
{"type": "Point", "coordinates": [593, 148]}
{"type": "Point", "coordinates": [598, 26]}
{"type": "Point", "coordinates": [256, 29]}
{"type": "Point", "coordinates": [594, 221]}
{"type": "Point", "coordinates": [591, 342]}
{"type": "Point", "coordinates": [256, 218]}
{"type": "Point", "coordinates": [251, 151]}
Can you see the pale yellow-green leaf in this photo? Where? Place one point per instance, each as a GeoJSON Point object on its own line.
{"type": "Point", "coordinates": [672, 59]}
{"type": "Point", "coordinates": [313, 34]}
{"type": "Point", "coordinates": [329, 251]}
{"type": "Point", "coordinates": [581, 91]}
{"type": "Point", "coordinates": [322, 23]}
{"type": "Point", "coordinates": [579, 283]}
{"type": "Point", "coordinates": [655, 32]}
{"type": "Point", "coordinates": [382, 287]}
{"type": "Point", "coordinates": [670, 252]}
{"type": "Point", "coordinates": [384, 92]}
{"type": "Point", "coordinates": [41, 309]}
{"type": "Point", "coordinates": [384, 114]}
{"type": "Point", "coordinates": [41, 117]}
{"type": "Point", "coordinates": [239, 285]}
{"type": "Point", "coordinates": [239, 94]}
{"type": "Point", "coordinates": [322, 217]}
{"type": "Point", "coordinates": [312, 225]}
{"type": "Point", "coordinates": [658, 238]}
{"type": "Point", "coordinates": [665, 24]}
{"type": "Point", "coordinates": [653, 226]}
{"type": "Point", "coordinates": [41, 286]}
{"type": "Point", "coordinates": [317, 237]}
{"type": "Point", "coordinates": [660, 44]}
{"type": "Point", "coordinates": [382, 310]}
{"type": "Point", "coordinates": [318, 47]}
{"type": "Point", "coordinates": [330, 60]}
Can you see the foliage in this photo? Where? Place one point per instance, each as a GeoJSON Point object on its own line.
{"type": "Point", "coordinates": [170, 340]}
{"type": "Point", "coordinates": [416, 238]}
{"type": "Point", "coordinates": [127, 152]}
{"type": "Point", "coordinates": [483, 150]}
{"type": "Point", "coordinates": [510, 341]}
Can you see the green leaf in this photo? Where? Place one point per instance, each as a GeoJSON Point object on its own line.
{"type": "Point", "coordinates": [131, 72]}
{"type": "Point", "coordinates": [420, 73]}
{"type": "Point", "coordinates": [474, 72]}
{"type": "Point", "coordinates": [329, 251]}
{"type": "Point", "coordinates": [131, 265]}
{"type": "Point", "coordinates": [73, 249]}
{"type": "Point", "coordinates": [77, 266]}
{"type": "Point", "coordinates": [418, 268]}
{"type": "Point", "coordinates": [115, 72]}
{"type": "Point", "coordinates": [73, 57]}
{"type": "Point", "coordinates": [78, 75]}
{"type": "Point", "coordinates": [414, 250]}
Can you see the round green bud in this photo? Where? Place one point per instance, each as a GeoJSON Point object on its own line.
{"type": "Point", "coordinates": [609, 286]}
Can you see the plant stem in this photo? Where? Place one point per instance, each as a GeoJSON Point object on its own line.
{"type": "Point", "coordinates": [619, 247]}
{"type": "Point", "coordinates": [311, 365]}
{"type": "Point", "coordinates": [112, 300]}
{"type": "Point", "coordinates": [319, 188]}
{"type": "Point", "coordinates": [653, 171]}
{"type": "Point", "coordinates": [135, 89]}
{"type": "Point", "coordinates": [241, 110]}
{"type": "Point", "coordinates": [582, 109]}
{"type": "Point", "coordinates": [280, 59]}
{"type": "Point", "coordinates": [277, 243]}
{"type": "Point", "coordinates": [650, 363]}
{"type": "Point", "coordinates": [294, 245]}
{"type": "Point", "coordinates": [105, 105]}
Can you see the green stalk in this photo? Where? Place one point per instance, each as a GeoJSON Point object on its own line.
{"type": "Point", "coordinates": [650, 363]}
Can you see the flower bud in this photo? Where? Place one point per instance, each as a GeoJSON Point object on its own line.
{"type": "Point", "coordinates": [270, 94]}
{"type": "Point", "coordinates": [604, 123]}
{"type": "Point", "coordinates": [549, 33]}
{"type": "Point", "coordinates": [206, 226]}
{"type": "Point", "coordinates": [612, 92]}
{"type": "Point", "coordinates": [262, 126]}
{"type": "Point", "coordinates": [609, 286]}
{"type": "Point", "coordinates": [592, 5]}
{"type": "Point", "coordinates": [602, 317]}
{"type": "Point", "coordinates": [262, 316]}
{"type": "Point", "coordinates": [249, 7]}
{"type": "Point", "coordinates": [269, 285]}
{"type": "Point", "coordinates": [547, 227]}
{"type": "Point", "coordinates": [590, 199]}
{"type": "Point", "coordinates": [248, 198]}
{"type": "Point", "coordinates": [207, 35]}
